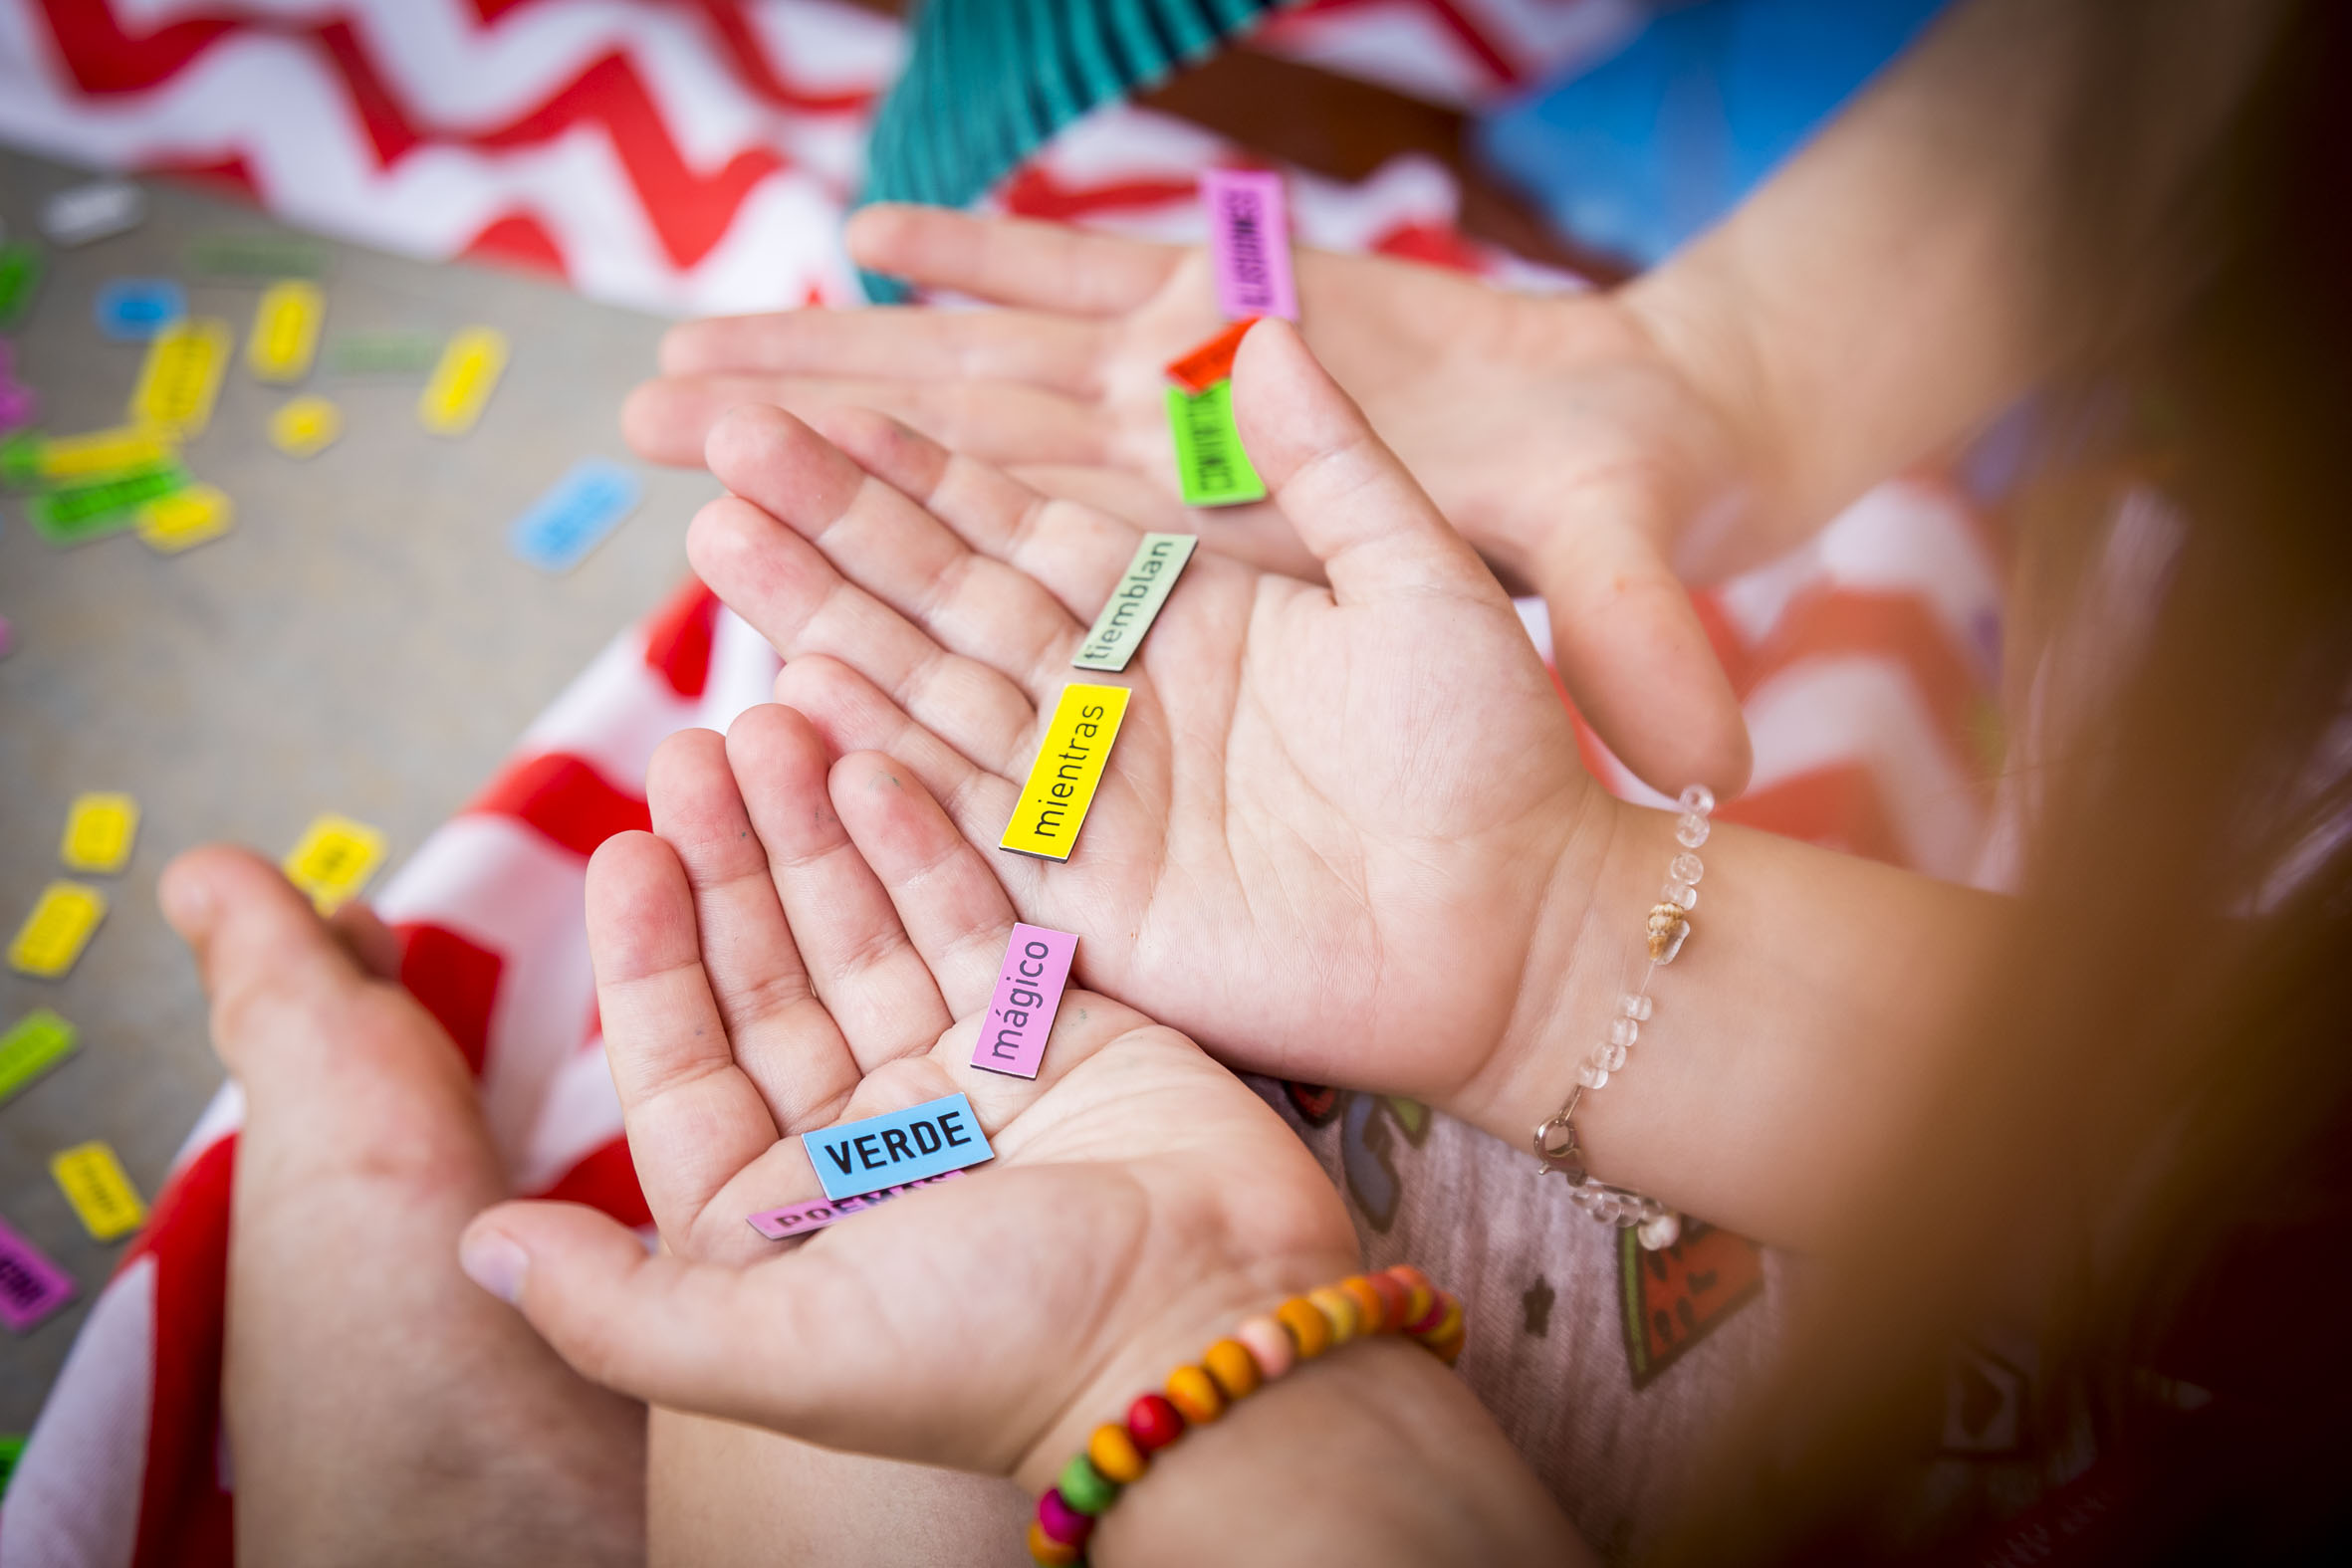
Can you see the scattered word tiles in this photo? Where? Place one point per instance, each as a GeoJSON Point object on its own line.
{"type": "Point", "coordinates": [892, 1150]}
{"type": "Point", "coordinates": [1068, 770]}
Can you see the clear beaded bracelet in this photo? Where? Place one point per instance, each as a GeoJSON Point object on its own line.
{"type": "Point", "coordinates": [1664, 932]}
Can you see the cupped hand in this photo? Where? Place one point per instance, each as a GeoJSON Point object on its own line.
{"type": "Point", "coordinates": [1345, 836]}
{"type": "Point", "coordinates": [797, 948]}
{"type": "Point", "coordinates": [1552, 430]}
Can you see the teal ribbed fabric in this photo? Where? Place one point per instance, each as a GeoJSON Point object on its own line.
{"type": "Point", "coordinates": [988, 80]}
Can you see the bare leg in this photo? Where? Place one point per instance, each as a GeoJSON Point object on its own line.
{"type": "Point", "coordinates": [381, 1409]}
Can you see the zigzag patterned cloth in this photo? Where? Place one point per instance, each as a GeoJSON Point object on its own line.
{"type": "Point", "coordinates": [1864, 661]}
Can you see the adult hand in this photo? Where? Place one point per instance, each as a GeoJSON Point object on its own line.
{"type": "Point", "coordinates": [1343, 837]}
{"type": "Point", "coordinates": [1553, 431]}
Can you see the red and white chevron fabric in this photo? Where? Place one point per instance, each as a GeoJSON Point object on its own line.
{"type": "Point", "coordinates": [694, 156]}
{"type": "Point", "coordinates": [690, 157]}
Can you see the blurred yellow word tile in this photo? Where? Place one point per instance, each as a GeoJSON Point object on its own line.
{"type": "Point", "coordinates": [55, 933]}
{"type": "Point", "coordinates": [181, 378]}
{"type": "Point", "coordinates": [334, 861]}
{"type": "Point", "coordinates": [305, 426]}
{"type": "Point", "coordinates": [285, 331]}
{"type": "Point", "coordinates": [33, 1044]}
{"type": "Point", "coordinates": [100, 827]}
{"type": "Point", "coordinates": [101, 1193]}
{"type": "Point", "coordinates": [171, 524]}
{"type": "Point", "coordinates": [463, 382]}
{"type": "Point", "coordinates": [98, 454]}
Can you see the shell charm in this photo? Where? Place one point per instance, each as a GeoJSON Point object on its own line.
{"type": "Point", "coordinates": [1668, 927]}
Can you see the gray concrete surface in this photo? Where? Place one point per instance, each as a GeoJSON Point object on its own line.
{"type": "Point", "coordinates": [362, 642]}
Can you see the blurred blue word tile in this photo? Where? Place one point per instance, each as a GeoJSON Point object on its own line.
{"type": "Point", "coordinates": [133, 309]}
{"type": "Point", "coordinates": [572, 519]}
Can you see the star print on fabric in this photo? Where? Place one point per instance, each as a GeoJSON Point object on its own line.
{"type": "Point", "coordinates": [1537, 1299]}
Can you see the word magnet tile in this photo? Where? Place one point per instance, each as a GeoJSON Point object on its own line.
{"type": "Point", "coordinates": [95, 1184]}
{"type": "Point", "coordinates": [181, 378]}
{"type": "Point", "coordinates": [1212, 362]}
{"type": "Point", "coordinates": [99, 454]}
{"type": "Point", "coordinates": [20, 277]}
{"type": "Point", "coordinates": [285, 331]}
{"type": "Point", "coordinates": [334, 860]}
{"type": "Point", "coordinates": [305, 426]}
{"type": "Point", "coordinates": [462, 382]}
{"type": "Point", "coordinates": [101, 507]}
{"type": "Point", "coordinates": [58, 928]}
{"type": "Point", "coordinates": [1029, 994]}
{"type": "Point", "coordinates": [1249, 243]}
{"type": "Point", "coordinates": [1135, 603]}
{"type": "Point", "coordinates": [780, 1225]}
{"type": "Point", "coordinates": [572, 519]}
{"type": "Point", "coordinates": [20, 405]}
{"type": "Point", "coordinates": [382, 354]}
{"type": "Point", "coordinates": [1068, 770]}
{"type": "Point", "coordinates": [31, 1286]}
{"type": "Point", "coordinates": [33, 1044]}
{"type": "Point", "coordinates": [860, 1157]}
{"type": "Point", "coordinates": [99, 830]}
{"type": "Point", "coordinates": [93, 212]}
{"type": "Point", "coordinates": [1210, 463]}
{"type": "Point", "coordinates": [226, 254]}
{"type": "Point", "coordinates": [182, 520]}
{"type": "Point", "coordinates": [133, 309]}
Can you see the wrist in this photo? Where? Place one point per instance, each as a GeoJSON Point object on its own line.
{"type": "Point", "coordinates": [1175, 1333]}
{"type": "Point", "coordinates": [1584, 957]}
{"type": "Point", "coordinates": [1373, 1453]}
{"type": "Point", "coordinates": [1369, 1447]}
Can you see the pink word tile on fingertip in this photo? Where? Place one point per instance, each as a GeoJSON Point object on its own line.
{"type": "Point", "coordinates": [1249, 244]}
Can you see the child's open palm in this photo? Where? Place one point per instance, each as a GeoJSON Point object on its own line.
{"type": "Point", "coordinates": [796, 949]}
{"type": "Point", "coordinates": [1344, 829]}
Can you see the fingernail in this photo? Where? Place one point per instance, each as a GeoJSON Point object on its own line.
{"type": "Point", "coordinates": [494, 1262]}
{"type": "Point", "coordinates": [187, 901]}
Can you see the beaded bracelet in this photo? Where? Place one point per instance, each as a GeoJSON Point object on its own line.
{"type": "Point", "coordinates": [1664, 931]}
{"type": "Point", "coordinates": [1260, 1350]}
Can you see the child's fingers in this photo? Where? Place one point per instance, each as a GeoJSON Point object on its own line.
{"type": "Point", "coordinates": [1632, 651]}
{"type": "Point", "coordinates": [954, 909]}
{"type": "Point", "coordinates": [668, 419]}
{"type": "Point", "coordinates": [652, 1325]}
{"type": "Point", "coordinates": [1357, 508]}
{"type": "Point", "coordinates": [872, 981]}
{"type": "Point", "coordinates": [1031, 347]}
{"type": "Point", "coordinates": [694, 1118]}
{"type": "Point", "coordinates": [373, 945]}
{"type": "Point", "coordinates": [796, 598]}
{"type": "Point", "coordinates": [276, 975]}
{"type": "Point", "coordinates": [783, 1037]}
{"type": "Point", "coordinates": [1073, 552]}
{"type": "Point", "coordinates": [895, 551]}
{"type": "Point", "coordinates": [1009, 261]}
{"type": "Point", "coordinates": [854, 715]}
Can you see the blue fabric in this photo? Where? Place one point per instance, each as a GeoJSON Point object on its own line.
{"type": "Point", "coordinates": [1649, 147]}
